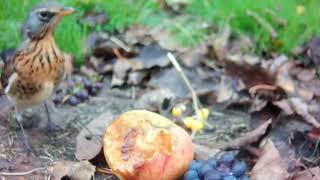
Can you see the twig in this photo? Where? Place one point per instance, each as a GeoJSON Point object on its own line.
{"type": "Point", "coordinates": [120, 43]}
{"type": "Point", "coordinates": [272, 32]}
{"type": "Point", "coordinates": [104, 171]}
{"type": "Point", "coordinates": [176, 65]}
{"type": "Point", "coordinates": [279, 20]}
{"type": "Point", "coordinates": [21, 173]}
{"type": "Point", "coordinates": [195, 100]}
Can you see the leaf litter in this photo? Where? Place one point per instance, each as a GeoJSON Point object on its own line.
{"type": "Point", "coordinates": [226, 78]}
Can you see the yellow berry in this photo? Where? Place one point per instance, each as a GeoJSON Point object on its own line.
{"type": "Point", "coordinates": [193, 124]}
{"type": "Point", "coordinates": [176, 111]}
{"type": "Point", "coordinates": [203, 113]}
{"type": "Point", "coordinates": [300, 9]}
{"type": "Point", "coordinates": [188, 121]}
{"type": "Point", "coordinates": [197, 125]}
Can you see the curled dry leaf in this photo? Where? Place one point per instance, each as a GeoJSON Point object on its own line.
{"type": "Point", "coordinates": [94, 18]}
{"type": "Point", "coordinates": [220, 43]}
{"type": "Point", "coordinates": [89, 140]}
{"type": "Point", "coordinates": [121, 69]}
{"type": "Point", "coordinates": [82, 170]}
{"type": "Point", "coordinates": [308, 174]}
{"type": "Point", "coordinates": [269, 165]}
{"type": "Point", "coordinates": [153, 100]}
{"type": "Point", "coordinates": [249, 137]}
{"type": "Point", "coordinates": [203, 152]}
{"type": "Point", "coordinates": [302, 109]}
{"type": "Point", "coordinates": [152, 56]}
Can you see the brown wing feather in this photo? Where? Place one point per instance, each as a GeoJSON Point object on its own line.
{"type": "Point", "coordinates": [8, 69]}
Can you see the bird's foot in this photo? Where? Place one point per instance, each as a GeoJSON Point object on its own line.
{"type": "Point", "coordinates": [25, 136]}
{"type": "Point", "coordinates": [52, 128]}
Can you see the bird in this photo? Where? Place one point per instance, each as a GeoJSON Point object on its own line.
{"type": "Point", "coordinates": [33, 72]}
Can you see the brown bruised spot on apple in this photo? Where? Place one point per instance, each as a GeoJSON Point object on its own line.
{"type": "Point", "coordinates": [142, 145]}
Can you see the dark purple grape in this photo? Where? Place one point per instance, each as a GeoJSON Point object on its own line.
{"type": "Point", "coordinates": [73, 101]}
{"type": "Point", "coordinates": [93, 91]}
{"type": "Point", "coordinates": [196, 165]}
{"type": "Point", "coordinates": [82, 95]}
{"type": "Point", "coordinates": [229, 178]}
{"type": "Point", "coordinates": [191, 175]}
{"type": "Point", "coordinates": [57, 100]}
{"type": "Point", "coordinates": [69, 90]}
{"type": "Point", "coordinates": [71, 82]}
{"type": "Point", "coordinates": [224, 169]}
{"type": "Point", "coordinates": [213, 162]}
{"type": "Point", "coordinates": [239, 169]}
{"type": "Point", "coordinates": [244, 178]}
{"type": "Point", "coordinates": [205, 169]}
{"type": "Point", "coordinates": [87, 83]}
{"type": "Point", "coordinates": [213, 175]}
{"type": "Point", "coordinates": [99, 86]}
{"type": "Point", "coordinates": [227, 159]}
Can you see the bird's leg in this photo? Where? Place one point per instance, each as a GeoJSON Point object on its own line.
{"type": "Point", "coordinates": [51, 126]}
{"type": "Point", "coordinates": [25, 137]}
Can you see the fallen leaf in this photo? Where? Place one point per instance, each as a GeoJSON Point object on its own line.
{"type": "Point", "coordinates": [269, 165]}
{"type": "Point", "coordinates": [138, 34]}
{"type": "Point", "coordinates": [226, 91]}
{"type": "Point", "coordinates": [220, 43]}
{"type": "Point", "coordinates": [312, 51]}
{"type": "Point", "coordinates": [170, 79]}
{"type": "Point", "coordinates": [136, 77]}
{"type": "Point", "coordinates": [121, 69]}
{"type": "Point", "coordinates": [89, 140]}
{"type": "Point", "coordinates": [153, 100]}
{"type": "Point", "coordinates": [249, 137]}
{"type": "Point", "coordinates": [308, 174]}
{"type": "Point", "coordinates": [203, 152]}
{"type": "Point", "coordinates": [93, 19]}
{"type": "Point", "coordinates": [301, 108]}
{"type": "Point", "coordinates": [82, 170]}
{"type": "Point", "coordinates": [152, 56]}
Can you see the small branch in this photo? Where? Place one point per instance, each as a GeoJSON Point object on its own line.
{"type": "Point", "coordinates": [21, 173]}
{"type": "Point", "coordinates": [279, 20]}
{"type": "Point", "coordinates": [120, 43]}
{"type": "Point", "coordinates": [195, 100]}
{"type": "Point", "coordinates": [105, 171]}
{"type": "Point", "coordinates": [272, 32]}
{"type": "Point", "coordinates": [176, 65]}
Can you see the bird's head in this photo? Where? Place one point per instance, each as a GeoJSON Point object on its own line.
{"type": "Point", "coordinates": [43, 19]}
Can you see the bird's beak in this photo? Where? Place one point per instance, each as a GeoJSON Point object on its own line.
{"type": "Point", "coordinates": [67, 11]}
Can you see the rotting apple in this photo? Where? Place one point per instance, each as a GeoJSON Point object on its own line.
{"type": "Point", "coordinates": [142, 145]}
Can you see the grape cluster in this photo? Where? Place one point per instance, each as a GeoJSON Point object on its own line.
{"type": "Point", "coordinates": [223, 168]}
{"type": "Point", "coordinates": [77, 91]}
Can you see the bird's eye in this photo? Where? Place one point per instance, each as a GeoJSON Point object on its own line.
{"type": "Point", "coordinates": [45, 15]}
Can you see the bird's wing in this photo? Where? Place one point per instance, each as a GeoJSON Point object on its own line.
{"type": "Point", "coordinates": [8, 68]}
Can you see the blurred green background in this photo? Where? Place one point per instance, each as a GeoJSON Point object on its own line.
{"type": "Point", "coordinates": [302, 18]}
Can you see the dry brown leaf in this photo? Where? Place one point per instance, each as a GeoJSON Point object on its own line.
{"type": "Point", "coordinates": [226, 92]}
{"type": "Point", "coordinates": [308, 174]}
{"type": "Point", "coordinates": [121, 69]}
{"type": "Point", "coordinates": [82, 170]}
{"type": "Point", "coordinates": [269, 165]}
{"type": "Point", "coordinates": [249, 137]}
{"type": "Point", "coordinates": [89, 139]}
{"type": "Point", "coordinates": [220, 43]}
{"type": "Point", "coordinates": [203, 152]}
{"type": "Point", "coordinates": [302, 109]}
{"type": "Point", "coordinates": [153, 100]}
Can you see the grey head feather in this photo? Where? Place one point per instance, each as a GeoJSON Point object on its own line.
{"type": "Point", "coordinates": [39, 20]}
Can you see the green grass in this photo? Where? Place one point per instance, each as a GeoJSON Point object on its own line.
{"type": "Point", "coordinates": [71, 35]}
{"type": "Point", "coordinates": [299, 28]}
